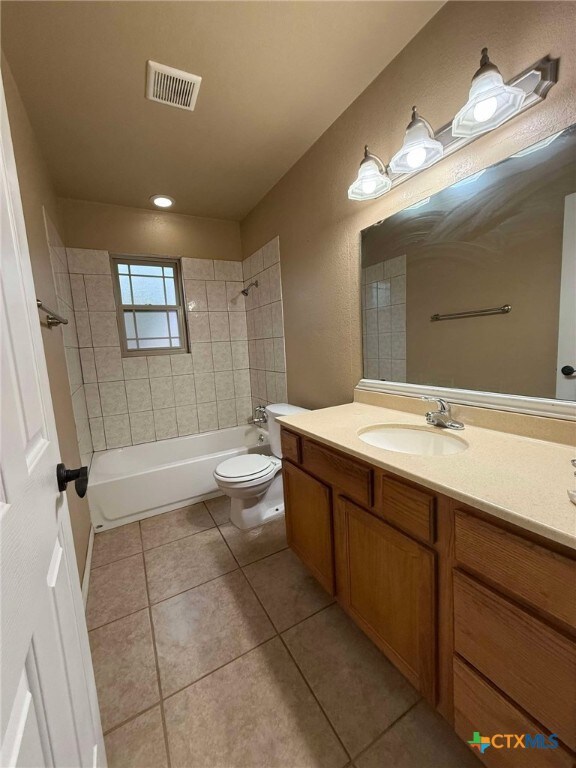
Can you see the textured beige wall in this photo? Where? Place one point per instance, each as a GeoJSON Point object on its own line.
{"type": "Point", "coordinates": [37, 193]}
{"type": "Point", "coordinates": [119, 229]}
{"type": "Point", "coordinates": [319, 227]}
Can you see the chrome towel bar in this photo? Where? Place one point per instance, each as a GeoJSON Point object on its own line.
{"type": "Point", "coordinates": [52, 318]}
{"type": "Point", "coordinates": [473, 313]}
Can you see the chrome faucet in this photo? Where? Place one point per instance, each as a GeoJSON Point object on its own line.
{"type": "Point", "coordinates": [260, 416]}
{"type": "Point", "coordinates": [443, 416]}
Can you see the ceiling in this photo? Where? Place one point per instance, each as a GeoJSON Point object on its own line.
{"type": "Point", "coordinates": [275, 76]}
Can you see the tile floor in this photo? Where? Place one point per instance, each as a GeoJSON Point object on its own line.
{"type": "Point", "coordinates": [214, 648]}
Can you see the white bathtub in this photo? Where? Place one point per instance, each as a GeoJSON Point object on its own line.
{"type": "Point", "coordinates": [133, 483]}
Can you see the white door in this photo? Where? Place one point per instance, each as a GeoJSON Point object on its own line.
{"type": "Point", "coordinates": [566, 382]}
{"type": "Point", "coordinates": [48, 710]}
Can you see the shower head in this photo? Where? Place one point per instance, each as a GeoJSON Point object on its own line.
{"type": "Point", "coordinates": [246, 290]}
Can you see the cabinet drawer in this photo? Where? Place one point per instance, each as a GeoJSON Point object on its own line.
{"type": "Point", "coordinates": [409, 508]}
{"type": "Point", "coordinates": [528, 660]}
{"type": "Point", "coordinates": [353, 478]}
{"type": "Point", "coordinates": [543, 578]}
{"type": "Point", "coordinates": [291, 446]}
{"type": "Point", "coordinates": [478, 706]}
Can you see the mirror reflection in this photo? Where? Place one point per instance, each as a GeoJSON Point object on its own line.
{"type": "Point", "coordinates": [474, 287]}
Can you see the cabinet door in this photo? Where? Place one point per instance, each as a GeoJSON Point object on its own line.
{"type": "Point", "coordinates": [386, 581]}
{"type": "Point", "coordinates": [309, 523]}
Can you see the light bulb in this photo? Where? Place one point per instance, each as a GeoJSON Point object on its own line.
{"type": "Point", "coordinates": [416, 157]}
{"type": "Point", "coordinates": [485, 109]}
{"type": "Point", "coordinates": [368, 186]}
{"type": "Point", "coordinates": [162, 201]}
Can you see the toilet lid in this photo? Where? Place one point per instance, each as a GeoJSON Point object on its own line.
{"type": "Point", "coordinates": [249, 465]}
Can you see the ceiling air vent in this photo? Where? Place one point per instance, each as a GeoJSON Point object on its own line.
{"type": "Point", "coordinates": [171, 86]}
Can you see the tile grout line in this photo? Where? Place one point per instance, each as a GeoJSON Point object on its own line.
{"type": "Point", "coordinates": [388, 728]}
{"type": "Point", "coordinates": [279, 636]}
{"type": "Point", "coordinates": [159, 682]}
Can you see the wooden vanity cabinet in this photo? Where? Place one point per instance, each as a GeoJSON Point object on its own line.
{"type": "Point", "coordinates": [478, 614]}
{"type": "Point", "coordinates": [387, 582]}
{"type": "Point", "coordinates": [309, 528]}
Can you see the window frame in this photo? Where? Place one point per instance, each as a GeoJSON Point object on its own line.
{"type": "Point", "coordinates": [179, 308]}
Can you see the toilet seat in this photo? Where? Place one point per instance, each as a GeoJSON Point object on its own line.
{"type": "Point", "coordinates": [246, 469]}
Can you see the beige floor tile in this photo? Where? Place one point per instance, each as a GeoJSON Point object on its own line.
{"type": "Point", "coordinates": [219, 508]}
{"type": "Point", "coordinates": [257, 712]}
{"type": "Point", "coordinates": [256, 543]}
{"type": "Point", "coordinates": [206, 627]}
{"type": "Point", "coordinates": [358, 688]}
{"type": "Point", "coordinates": [115, 544]}
{"type": "Point", "coordinates": [287, 591]}
{"type": "Point", "coordinates": [124, 667]}
{"type": "Point", "coordinates": [138, 744]}
{"type": "Point", "coordinates": [421, 739]}
{"type": "Point", "coordinates": [116, 590]}
{"type": "Point", "coordinates": [170, 526]}
{"type": "Point", "coordinates": [186, 563]}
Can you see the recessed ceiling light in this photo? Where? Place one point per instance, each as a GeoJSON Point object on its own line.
{"type": "Point", "coordinates": [162, 201]}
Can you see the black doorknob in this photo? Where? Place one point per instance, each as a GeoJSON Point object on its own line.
{"type": "Point", "coordinates": [80, 477]}
{"type": "Point", "coordinates": [567, 370]}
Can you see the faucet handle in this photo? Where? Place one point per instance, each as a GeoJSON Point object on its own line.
{"type": "Point", "coordinates": [443, 406]}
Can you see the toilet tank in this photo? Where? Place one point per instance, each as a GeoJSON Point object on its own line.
{"type": "Point", "coordinates": [272, 412]}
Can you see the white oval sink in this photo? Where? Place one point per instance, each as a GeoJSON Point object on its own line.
{"type": "Point", "coordinates": [425, 441]}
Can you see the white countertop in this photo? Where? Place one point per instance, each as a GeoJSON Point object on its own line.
{"type": "Point", "coordinates": [518, 479]}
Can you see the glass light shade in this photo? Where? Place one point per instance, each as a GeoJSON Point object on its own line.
{"type": "Point", "coordinates": [491, 102]}
{"type": "Point", "coordinates": [419, 150]}
{"type": "Point", "coordinates": [371, 182]}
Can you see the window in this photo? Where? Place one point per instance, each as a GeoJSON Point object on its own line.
{"type": "Point", "coordinates": [149, 305]}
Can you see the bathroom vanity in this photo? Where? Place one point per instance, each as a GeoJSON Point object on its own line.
{"type": "Point", "coordinates": [470, 596]}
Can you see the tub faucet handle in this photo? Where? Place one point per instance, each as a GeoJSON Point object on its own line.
{"type": "Point", "coordinates": [260, 416]}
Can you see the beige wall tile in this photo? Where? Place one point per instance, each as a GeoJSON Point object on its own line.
{"type": "Point", "coordinates": [219, 327]}
{"type": "Point", "coordinates": [181, 364]}
{"type": "Point", "coordinates": [162, 392]}
{"type": "Point", "coordinates": [184, 391]}
{"type": "Point", "coordinates": [198, 326]}
{"type": "Point", "coordinates": [198, 269]}
{"type": "Point", "coordinates": [159, 365]}
{"type": "Point", "coordinates": [99, 293]}
{"type": "Point", "coordinates": [142, 427]}
{"type": "Point", "coordinates": [104, 329]}
{"type": "Point", "coordinates": [207, 417]}
{"type": "Point", "coordinates": [84, 333]}
{"type": "Point", "coordinates": [138, 394]}
{"type": "Point", "coordinates": [135, 367]}
{"type": "Point", "coordinates": [195, 295]}
{"type": "Point", "coordinates": [224, 381]}
{"type": "Point", "coordinates": [222, 355]}
{"type": "Point", "coordinates": [187, 419]}
{"type": "Point", "coordinates": [165, 423]}
{"type": "Point", "coordinates": [88, 262]}
{"type": "Point", "coordinates": [117, 431]}
{"type": "Point", "coordinates": [205, 387]}
{"type": "Point", "coordinates": [202, 360]}
{"type": "Point", "coordinates": [88, 365]}
{"type": "Point", "coordinates": [93, 406]}
{"type": "Point", "coordinates": [227, 414]}
{"type": "Point", "coordinates": [228, 270]}
{"type": "Point", "coordinates": [216, 295]}
{"type": "Point", "coordinates": [97, 433]}
{"type": "Point", "coordinates": [108, 364]}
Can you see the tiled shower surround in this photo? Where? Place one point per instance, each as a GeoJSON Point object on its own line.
{"type": "Point", "coordinates": [264, 315]}
{"type": "Point", "coordinates": [140, 399]}
{"type": "Point", "coordinates": [63, 291]}
{"type": "Point", "coordinates": [384, 319]}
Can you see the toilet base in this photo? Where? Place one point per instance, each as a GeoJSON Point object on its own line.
{"type": "Point", "coordinates": [257, 510]}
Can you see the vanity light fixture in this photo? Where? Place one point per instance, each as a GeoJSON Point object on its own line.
{"type": "Point", "coordinates": [372, 180]}
{"type": "Point", "coordinates": [491, 102]}
{"type": "Point", "coordinates": [162, 201]}
{"type": "Point", "coordinates": [420, 149]}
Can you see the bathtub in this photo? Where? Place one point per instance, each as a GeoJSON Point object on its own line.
{"type": "Point", "coordinates": [128, 484]}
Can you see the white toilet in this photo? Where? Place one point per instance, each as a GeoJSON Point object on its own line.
{"type": "Point", "coordinates": [254, 481]}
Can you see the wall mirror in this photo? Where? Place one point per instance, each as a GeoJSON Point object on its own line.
{"type": "Point", "coordinates": [474, 288]}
